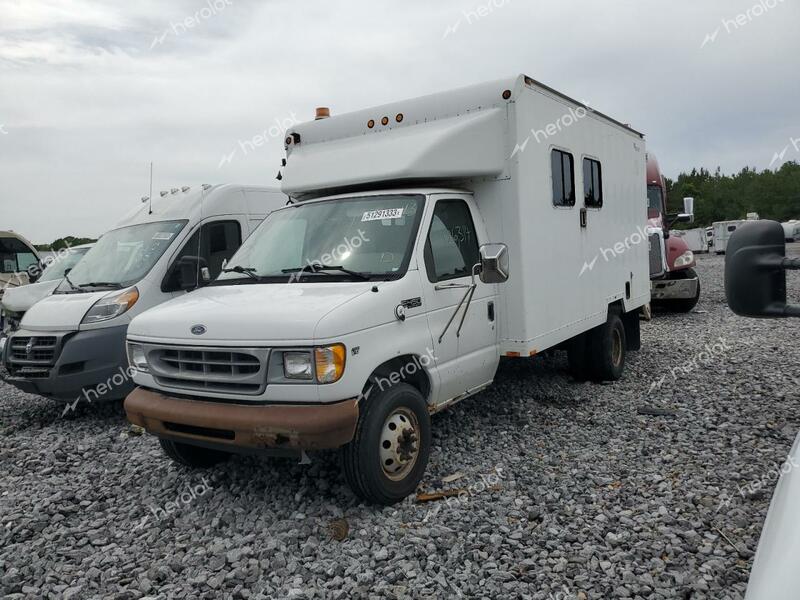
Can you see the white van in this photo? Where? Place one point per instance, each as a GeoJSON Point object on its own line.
{"type": "Point", "coordinates": [427, 239]}
{"type": "Point", "coordinates": [71, 345]}
{"type": "Point", "coordinates": [16, 301]}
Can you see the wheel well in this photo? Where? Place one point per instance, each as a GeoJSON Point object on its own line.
{"type": "Point", "coordinates": [408, 368]}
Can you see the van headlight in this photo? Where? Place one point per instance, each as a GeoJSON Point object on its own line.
{"type": "Point", "coordinates": [137, 358]}
{"type": "Point", "coordinates": [684, 259]}
{"type": "Point", "coordinates": [111, 306]}
{"type": "Point", "coordinates": [324, 364]}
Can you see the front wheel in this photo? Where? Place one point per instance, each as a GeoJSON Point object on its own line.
{"type": "Point", "coordinates": [388, 454]}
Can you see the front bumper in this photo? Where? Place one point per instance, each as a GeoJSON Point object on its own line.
{"type": "Point", "coordinates": [90, 365]}
{"type": "Point", "coordinates": [674, 289]}
{"type": "Point", "coordinates": [274, 426]}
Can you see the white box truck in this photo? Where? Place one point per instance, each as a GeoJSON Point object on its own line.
{"type": "Point", "coordinates": [427, 238]}
{"type": "Point", "coordinates": [723, 230]}
{"type": "Point", "coordinates": [70, 346]}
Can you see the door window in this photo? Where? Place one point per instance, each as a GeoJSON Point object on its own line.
{"type": "Point", "coordinates": [214, 243]}
{"type": "Point", "coordinates": [15, 257]}
{"type": "Point", "coordinates": [451, 249]}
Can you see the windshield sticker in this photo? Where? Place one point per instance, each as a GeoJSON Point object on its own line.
{"type": "Point", "coordinates": [383, 214]}
{"type": "Point", "coordinates": [163, 235]}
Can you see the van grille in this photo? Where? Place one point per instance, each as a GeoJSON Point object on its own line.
{"type": "Point", "coordinates": [223, 370]}
{"type": "Point", "coordinates": [42, 350]}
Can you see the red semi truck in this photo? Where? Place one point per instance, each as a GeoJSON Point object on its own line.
{"type": "Point", "coordinates": [674, 283]}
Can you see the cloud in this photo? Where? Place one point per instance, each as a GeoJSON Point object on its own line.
{"type": "Point", "coordinates": [88, 100]}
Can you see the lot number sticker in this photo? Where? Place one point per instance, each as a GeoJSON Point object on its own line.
{"type": "Point", "coordinates": [380, 215]}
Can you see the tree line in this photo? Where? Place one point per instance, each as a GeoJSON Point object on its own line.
{"type": "Point", "coordinates": [65, 242]}
{"type": "Point", "coordinates": [773, 195]}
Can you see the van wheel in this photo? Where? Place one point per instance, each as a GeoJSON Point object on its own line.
{"type": "Point", "coordinates": [389, 452]}
{"type": "Point", "coordinates": [192, 456]}
{"type": "Point", "coordinates": [607, 346]}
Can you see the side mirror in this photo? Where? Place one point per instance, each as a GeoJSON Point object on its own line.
{"type": "Point", "coordinates": [755, 271]}
{"type": "Point", "coordinates": [190, 272]}
{"type": "Point", "coordinates": [494, 263]}
{"type": "Point", "coordinates": [687, 216]}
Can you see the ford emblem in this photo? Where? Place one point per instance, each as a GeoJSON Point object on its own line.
{"type": "Point", "coordinates": [198, 329]}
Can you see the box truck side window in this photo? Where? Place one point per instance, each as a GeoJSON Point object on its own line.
{"type": "Point", "coordinates": [452, 247]}
{"type": "Point", "coordinates": [592, 183]}
{"type": "Point", "coordinates": [563, 171]}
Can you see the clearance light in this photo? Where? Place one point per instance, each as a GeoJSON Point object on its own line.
{"type": "Point", "coordinates": [399, 118]}
{"type": "Point", "coordinates": [385, 121]}
{"type": "Point", "coordinates": [506, 94]}
{"type": "Point", "coordinates": [371, 123]}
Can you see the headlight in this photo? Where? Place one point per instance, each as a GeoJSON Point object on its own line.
{"type": "Point", "coordinates": [3, 341]}
{"type": "Point", "coordinates": [112, 306]}
{"type": "Point", "coordinates": [137, 358]}
{"type": "Point", "coordinates": [297, 365]}
{"type": "Point", "coordinates": [684, 259]}
{"type": "Point", "coordinates": [330, 363]}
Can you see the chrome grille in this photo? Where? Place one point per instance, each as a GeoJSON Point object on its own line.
{"type": "Point", "coordinates": [656, 255]}
{"type": "Point", "coordinates": [223, 370]}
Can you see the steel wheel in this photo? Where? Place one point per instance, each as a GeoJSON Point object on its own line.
{"type": "Point", "coordinates": [399, 445]}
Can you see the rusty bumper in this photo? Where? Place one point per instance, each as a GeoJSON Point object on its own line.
{"type": "Point", "coordinates": [295, 427]}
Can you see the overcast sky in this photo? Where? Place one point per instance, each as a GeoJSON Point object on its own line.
{"type": "Point", "coordinates": [92, 91]}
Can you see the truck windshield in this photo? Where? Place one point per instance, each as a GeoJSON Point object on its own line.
{"type": "Point", "coordinates": [122, 257]}
{"type": "Point", "coordinates": [654, 198]}
{"type": "Point", "coordinates": [333, 240]}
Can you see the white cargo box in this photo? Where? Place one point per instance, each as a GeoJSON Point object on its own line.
{"type": "Point", "coordinates": [497, 141]}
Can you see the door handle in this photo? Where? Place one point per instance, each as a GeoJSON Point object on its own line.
{"type": "Point", "coordinates": [583, 217]}
{"type": "Point", "coordinates": [491, 311]}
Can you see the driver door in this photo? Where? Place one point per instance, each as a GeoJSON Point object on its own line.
{"type": "Point", "coordinates": [465, 359]}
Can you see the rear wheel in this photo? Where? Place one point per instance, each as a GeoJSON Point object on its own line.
{"type": "Point", "coordinates": [607, 347]}
{"type": "Point", "coordinates": [389, 452]}
{"type": "Point", "coordinates": [192, 456]}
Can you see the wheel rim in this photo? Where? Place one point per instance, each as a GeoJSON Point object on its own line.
{"type": "Point", "coordinates": [399, 445]}
{"type": "Point", "coordinates": [616, 348]}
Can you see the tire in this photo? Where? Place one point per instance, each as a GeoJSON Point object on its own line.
{"type": "Point", "coordinates": [371, 462]}
{"type": "Point", "coordinates": [607, 348]}
{"type": "Point", "coordinates": [684, 305]}
{"type": "Point", "coordinates": [192, 456]}
{"type": "Point", "coordinates": [578, 357]}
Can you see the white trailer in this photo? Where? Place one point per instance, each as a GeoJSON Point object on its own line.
{"type": "Point", "coordinates": [696, 239]}
{"type": "Point", "coordinates": [791, 230]}
{"type": "Point", "coordinates": [419, 250]}
{"type": "Point", "coordinates": [723, 230]}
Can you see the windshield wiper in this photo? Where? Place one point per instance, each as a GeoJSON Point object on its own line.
{"type": "Point", "coordinates": [74, 287]}
{"type": "Point", "coordinates": [249, 271]}
{"type": "Point", "coordinates": [323, 268]}
{"type": "Point", "coordinates": [109, 284]}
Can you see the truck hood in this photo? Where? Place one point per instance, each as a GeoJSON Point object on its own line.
{"type": "Point", "coordinates": [20, 299]}
{"type": "Point", "coordinates": [248, 312]}
{"type": "Point", "coordinates": [61, 312]}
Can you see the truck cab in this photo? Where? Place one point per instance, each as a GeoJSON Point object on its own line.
{"type": "Point", "coordinates": [70, 346]}
{"type": "Point", "coordinates": [675, 284]}
{"type": "Point", "coordinates": [19, 265]}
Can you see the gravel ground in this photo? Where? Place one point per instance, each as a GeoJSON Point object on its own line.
{"type": "Point", "coordinates": [570, 493]}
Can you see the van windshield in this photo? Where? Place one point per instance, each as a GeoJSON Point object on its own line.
{"type": "Point", "coordinates": [333, 240]}
{"type": "Point", "coordinates": [122, 257]}
{"type": "Point", "coordinates": [62, 262]}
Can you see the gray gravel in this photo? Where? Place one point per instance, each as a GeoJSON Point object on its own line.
{"type": "Point", "coordinates": [570, 491]}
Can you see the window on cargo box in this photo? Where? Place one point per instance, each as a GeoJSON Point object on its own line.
{"type": "Point", "coordinates": [563, 170]}
{"type": "Point", "coordinates": [592, 183]}
{"type": "Point", "coordinates": [214, 243]}
{"type": "Point", "coordinates": [452, 246]}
